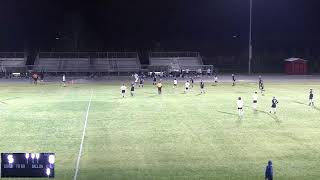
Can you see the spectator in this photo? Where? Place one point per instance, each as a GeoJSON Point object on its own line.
{"type": "Point", "coordinates": [269, 171]}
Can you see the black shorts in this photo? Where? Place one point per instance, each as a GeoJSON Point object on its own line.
{"type": "Point", "coordinates": [187, 88]}
{"type": "Point", "coordinates": [239, 108]}
{"type": "Point", "coordinates": [123, 91]}
{"type": "Point", "coordinates": [255, 101]}
{"type": "Point", "coordinates": [273, 106]}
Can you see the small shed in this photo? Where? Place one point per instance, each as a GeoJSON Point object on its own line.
{"type": "Point", "coordinates": [296, 66]}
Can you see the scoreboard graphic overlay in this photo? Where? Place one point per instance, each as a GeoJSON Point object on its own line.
{"type": "Point", "coordinates": [27, 165]}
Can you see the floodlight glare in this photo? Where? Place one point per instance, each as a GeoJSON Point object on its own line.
{"type": "Point", "coordinates": [37, 156]}
{"type": "Point", "coordinates": [32, 156]}
{"type": "Point", "coordinates": [10, 158]}
{"type": "Point", "coordinates": [48, 171]}
{"type": "Point", "coordinates": [51, 159]}
{"type": "Point", "coordinates": [27, 155]}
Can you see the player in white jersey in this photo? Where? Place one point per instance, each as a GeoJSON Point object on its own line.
{"type": "Point", "coordinates": [64, 80]}
{"type": "Point", "coordinates": [255, 100]}
{"type": "Point", "coordinates": [123, 89]}
{"type": "Point", "coordinates": [240, 106]}
{"type": "Point", "coordinates": [187, 87]}
{"type": "Point", "coordinates": [175, 83]}
{"type": "Point", "coordinates": [136, 78]}
{"type": "Point", "coordinates": [215, 80]}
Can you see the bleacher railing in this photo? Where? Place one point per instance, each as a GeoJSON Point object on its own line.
{"type": "Point", "coordinates": [12, 55]}
{"type": "Point", "coordinates": [174, 54]}
{"type": "Point", "coordinates": [108, 55]}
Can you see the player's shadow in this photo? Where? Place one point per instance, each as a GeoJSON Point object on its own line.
{"type": "Point", "coordinates": [316, 108]}
{"type": "Point", "coordinates": [155, 95]}
{"type": "Point", "coordinates": [298, 102]}
{"type": "Point", "coordinates": [274, 117]}
{"type": "Point", "coordinates": [239, 120]}
{"type": "Point", "coordinates": [223, 112]}
{"type": "Point", "coordinates": [3, 101]}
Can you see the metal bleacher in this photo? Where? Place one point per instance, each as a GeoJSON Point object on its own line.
{"type": "Point", "coordinates": [13, 61]}
{"type": "Point", "coordinates": [176, 61]}
{"type": "Point", "coordinates": [87, 62]}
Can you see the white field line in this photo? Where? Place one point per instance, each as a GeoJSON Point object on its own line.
{"type": "Point", "coordinates": [82, 140]}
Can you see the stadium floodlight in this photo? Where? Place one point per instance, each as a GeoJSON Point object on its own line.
{"type": "Point", "coordinates": [37, 157]}
{"type": "Point", "coordinates": [10, 158]}
{"type": "Point", "coordinates": [48, 172]}
{"type": "Point", "coordinates": [27, 155]}
{"type": "Point", "coordinates": [32, 157]}
{"type": "Point", "coordinates": [51, 159]}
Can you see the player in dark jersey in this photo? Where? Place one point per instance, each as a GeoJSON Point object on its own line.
{"type": "Point", "coordinates": [35, 78]}
{"type": "Point", "coordinates": [274, 103]}
{"type": "Point", "coordinates": [141, 81]}
{"type": "Point", "coordinates": [202, 91]}
{"type": "Point", "coordinates": [132, 89]}
{"type": "Point", "coordinates": [233, 80]}
{"type": "Point", "coordinates": [261, 86]}
{"type": "Point", "coordinates": [311, 102]}
{"type": "Point", "coordinates": [191, 82]}
{"type": "Point", "coordinates": [154, 80]}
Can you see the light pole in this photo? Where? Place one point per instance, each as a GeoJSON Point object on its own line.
{"type": "Point", "coordinates": [250, 39]}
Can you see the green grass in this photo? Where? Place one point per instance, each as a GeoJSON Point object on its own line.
{"type": "Point", "coordinates": [172, 136]}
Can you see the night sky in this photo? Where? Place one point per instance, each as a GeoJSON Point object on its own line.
{"type": "Point", "coordinates": [219, 26]}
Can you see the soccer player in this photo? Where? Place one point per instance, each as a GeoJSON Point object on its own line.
{"type": "Point", "coordinates": [233, 80]}
{"type": "Point", "coordinates": [35, 78]}
{"type": "Point", "coordinates": [215, 79]}
{"type": "Point", "coordinates": [123, 89]}
{"type": "Point", "coordinates": [208, 72]}
{"type": "Point", "coordinates": [262, 88]}
{"type": "Point", "coordinates": [240, 106]}
{"type": "Point", "coordinates": [255, 100]}
{"type": "Point", "coordinates": [261, 85]}
{"type": "Point", "coordinates": [132, 89]}
{"type": "Point", "coordinates": [187, 86]}
{"type": "Point", "coordinates": [202, 91]}
{"type": "Point", "coordinates": [274, 105]}
{"type": "Point", "coordinates": [175, 83]}
{"type": "Point", "coordinates": [311, 103]}
{"type": "Point", "coordinates": [159, 86]}
{"type": "Point", "coordinates": [64, 80]}
{"type": "Point", "coordinates": [154, 80]}
{"type": "Point", "coordinates": [141, 81]}
{"type": "Point", "coordinates": [136, 78]}
{"type": "Point", "coordinates": [269, 171]}
{"type": "Point", "coordinates": [192, 82]}
{"type": "Point", "coordinates": [187, 72]}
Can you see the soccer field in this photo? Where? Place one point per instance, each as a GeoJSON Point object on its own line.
{"type": "Point", "coordinates": [171, 136]}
